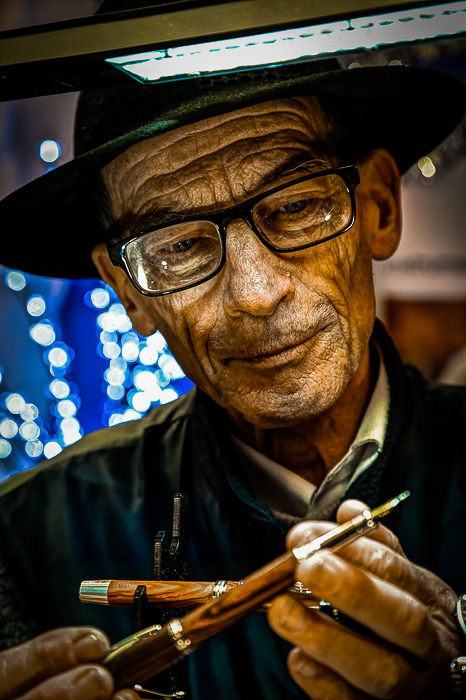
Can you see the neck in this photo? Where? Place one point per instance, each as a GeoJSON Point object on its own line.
{"type": "Point", "coordinates": [311, 449]}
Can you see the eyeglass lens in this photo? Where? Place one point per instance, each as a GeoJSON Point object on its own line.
{"type": "Point", "coordinates": [184, 254]}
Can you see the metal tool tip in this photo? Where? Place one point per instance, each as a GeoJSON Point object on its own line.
{"type": "Point", "coordinates": [400, 498]}
{"type": "Point", "coordinates": [387, 507]}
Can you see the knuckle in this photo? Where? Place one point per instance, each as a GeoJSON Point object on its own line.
{"type": "Point", "coordinates": [300, 664]}
{"type": "Point", "coordinates": [50, 652]}
{"type": "Point", "coordinates": [419, 632]}
{"type": "Point", "coordinates": [79, 683]}
{"type": "Point", "coordinates": [305, 532]}
{"type": "Point", "coordinates": [320, 638]}
{"type": "Point", "coordinates": [394, 543]}
{"type": "Point", "coordinates": [397, 679]}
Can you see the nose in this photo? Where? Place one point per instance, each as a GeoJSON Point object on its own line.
{"type": "Point", "coordinates": [255, 282]}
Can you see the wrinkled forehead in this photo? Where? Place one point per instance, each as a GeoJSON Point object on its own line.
{"type": "Point", "coordinates": [255, 131]}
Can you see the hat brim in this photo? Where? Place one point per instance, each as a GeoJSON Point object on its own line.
{"type": "Point", "coordinates": [49, 226]}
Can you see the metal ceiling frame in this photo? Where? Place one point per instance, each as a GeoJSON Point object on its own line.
{"type": "Point", "coordinates": [69, 56]}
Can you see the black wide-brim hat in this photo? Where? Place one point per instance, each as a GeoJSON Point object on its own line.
{"type": "Point", "coordinates": [49, 226]}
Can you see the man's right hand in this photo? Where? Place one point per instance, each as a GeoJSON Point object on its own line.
{"type": "Point", "coordinates": [59, 665]}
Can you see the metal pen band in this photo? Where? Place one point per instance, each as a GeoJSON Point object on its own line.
{"type": "Point", "coordinates": [219, 588]}
{"type": "Point", "coordinates": [94, 592]}
{"type": "Point", "coordinates": [176, 632]}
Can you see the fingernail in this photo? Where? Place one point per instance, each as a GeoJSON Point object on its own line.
{"type": "Point", "coordinates": [92, 647]}
{"type": "Point", "coordinates": [94, 683]}
{"type": "Point", "coordinates": [305, 667]}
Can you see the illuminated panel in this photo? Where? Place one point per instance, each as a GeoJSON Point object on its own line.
{"type": "Point", "coordinates": [297, 44]}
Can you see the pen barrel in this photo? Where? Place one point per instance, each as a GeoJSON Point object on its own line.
{"type": "Point", "coordinates": [338, 537]}
{"type": "Point", "coordinates": [147, 653]}
{"type": "Point", "coordinates": [182, 595]}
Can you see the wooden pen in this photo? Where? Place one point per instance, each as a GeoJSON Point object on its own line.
{"type": "Point", "coordinates": [176, 595]}
{"type": "Point", "coordinates": [182, 595]}
{"type": "Point", "coordinates": [150, 651]}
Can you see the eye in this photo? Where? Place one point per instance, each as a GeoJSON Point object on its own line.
{"type": "Point", "coordinates": [182, 246]}
{"type": "Point", "coordinates": [294, 207]}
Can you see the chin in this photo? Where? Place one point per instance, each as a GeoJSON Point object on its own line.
{"type": "Point", "coordinates": [271, 410]}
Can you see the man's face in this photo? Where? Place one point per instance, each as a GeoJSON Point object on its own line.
{"type": "Point", "coordinates": [275, 338]}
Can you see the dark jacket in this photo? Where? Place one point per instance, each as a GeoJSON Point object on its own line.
{"type": "Point", "coordinates": [93, 512]}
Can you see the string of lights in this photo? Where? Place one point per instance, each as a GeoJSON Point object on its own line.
{"type": "Point", "coordinates": [139, 374]}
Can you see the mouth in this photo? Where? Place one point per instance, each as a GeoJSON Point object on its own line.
{"type": "Point", "coordinates": [286, 354]}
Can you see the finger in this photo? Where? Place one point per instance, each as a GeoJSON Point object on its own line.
{"type": "Point", "coordinates": [368, 665]}
{"type": "Point", "coordinates": [350, 508]}
{"type": "Point", "coordinates": [81, 683]}
{"type": "Point", "coordinates": [395, 568]}
{"type": "Point", "coordinates": [25, 666]}
{"type": "Point", "coordinates": [126, 695]}
{"type": "Point", "coordinates": [318, 681]}
{"type": "Point", "coordinates": [305, 532]}
{"type": "Point", "coordinates": [387, 610]}
{"type": "Point", "coordinates": [375, 556]}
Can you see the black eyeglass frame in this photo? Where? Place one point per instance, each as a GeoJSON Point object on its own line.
{"type": "Point", "coordinates": [348, 173]}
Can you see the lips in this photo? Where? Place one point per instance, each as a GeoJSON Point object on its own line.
{"type": "Point", "coordinates": [281, 355]}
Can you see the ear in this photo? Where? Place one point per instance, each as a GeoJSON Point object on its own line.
{"type": "Point", "coordinates": [138, 307]}
{"type": "Point", "coordinates": [378, 201]}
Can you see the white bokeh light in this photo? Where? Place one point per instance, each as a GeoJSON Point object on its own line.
{"type": "Point", "coordinates": [107, 321]}
{"type": "Point", "coordinates": [131, 414]}
{"type": "Point", "coordinates": [170, 367]}
{"type": "Point", "coordinates": [114, 377]}
{"type": "Point", "coordinates": [115, 392]}
{"type": "Point", "coordinates": [115, 419]}
{"type": "Point", "coordinates": [66, 408]}
{"type": "Point", "coordinates": [49, 151]}
{"type": "Point", "coordinates": [130, 347]}
{"type": "Point", "coordinates": [8, 428]}
{"type": "Point", "coordinates": [157, 341]}
{"type": "Point", "coordinates": [30, 412]}
{"type": "Point", "coordinates": [71, 436]}
{"type": "Point", "coordinates": [58, 357]}
{"type": "Point", "coordinates": [15, 403]}
{"type": "Point", "coordinates": [36, 305]}
{"type": "Point", "coordinates": [42, 333]}
{"type": "Point", "coordinates": [100, 298]}
{"type": "Point", "coordinates": [34, 448]}
{"type": "Point", "coordinates": [118, 363]}
{"type": "Point", "coordinates": [106, 337]}
{"type": "Point", "coordinates": [5, 449]}
{"type": "Point", "coordinates": [69, 424]}
{"type": "Point", "coordinates": [148, 355]}
{"type": "Point", "coordinates": [111, 350]}
{"type": "Point", "coordinates": [29, 431]}
{"type": "Point", "coordinates": [59, 388]}
{"type": "Point", "coordinates": [140, 401]}
{"type": "Point", "coordinates": [168, 395]}
{"type": "Point", "coordinates": [15, 280]}
{"type": "Point", "coordinates": [52, 449]}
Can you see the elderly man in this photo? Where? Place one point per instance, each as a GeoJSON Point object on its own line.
{"type": "Point", "coordinates": [240, 217]}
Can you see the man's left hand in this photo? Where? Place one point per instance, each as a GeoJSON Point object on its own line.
{"type": "Point", "coordinates": [407, 609]}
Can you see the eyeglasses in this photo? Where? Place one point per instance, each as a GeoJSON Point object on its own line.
{"type": "Point", "coordinates": [299, 214]}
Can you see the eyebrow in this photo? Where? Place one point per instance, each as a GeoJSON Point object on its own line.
{"type": "Point", "coordinates": [135, 224]}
